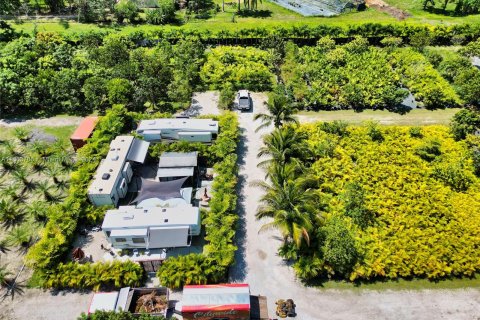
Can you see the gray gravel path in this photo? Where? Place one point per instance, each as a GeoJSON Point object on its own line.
{"type": "Point", "coordinates": [267, 274]}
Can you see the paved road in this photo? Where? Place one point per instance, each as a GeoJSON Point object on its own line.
{"type": "Point", "coordinates": [267, 274]}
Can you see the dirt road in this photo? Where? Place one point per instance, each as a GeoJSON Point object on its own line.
{"type": "Point", "coordinates": [267, 274]}
{"type": "Point", "coordinates": [37, 304]}
{"type": "Point", "coordinates": [58, 121]}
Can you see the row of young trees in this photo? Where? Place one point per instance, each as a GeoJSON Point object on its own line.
{"type": "Point", "coordinates": [49, 75]}
{"type": "Point", "coordinates": [357, 75]}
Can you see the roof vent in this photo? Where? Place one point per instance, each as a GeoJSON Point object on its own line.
{"type": "Point", "coordinates": [212, 124]}
{"type": "Point", "coordinates": [101, 189]}
{"type": "Point", "coordinates": [164, 210]}
{"type": "Point", "coordinates": [115, 157]}
{"type": "Point", "coordinates": [128, 217]}
{"type": "Point", "coordinates": [113, 149]}
{"type": "Point", "coordinates": [145, 210]}
{"type": "Point", "coordinates": [105, 176]}
{"type": "Point", "coordinates": [166, 220]}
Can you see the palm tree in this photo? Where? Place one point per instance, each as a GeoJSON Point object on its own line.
{"type": "Point", "coordinates": [44, 189]}
{"type": "Point", "coordinates": [11, 213]}
{"type": "Point", "coordinates": [38, 163]}
{"type": "Point", "coordinates": [4, 246]}
{"type": "Point", "coordinates": [292, 207]}
{"type": "Point", "coordinates": [11, 147]}
{"type": "Point", "coordinates": [4, 276]}
{"type": "Point", "coordinates": [6, 162]}
{"type": "Point", "coordinates": [21, 175]}
{"type": "Point", "coordinates": [38, 210]}
{"type": "Point", "coordinates": [55, 172]}
{"type": "Point", "coordinates": [22, 134]}
{"type": "Point", "coordinates": [280, 110]}
{"type": "Point", "coordinates": [283, 145]}
{"type": "Point", "coordinates": [21, 237]}
{"type": "Point", "coordinates": [13, 191]}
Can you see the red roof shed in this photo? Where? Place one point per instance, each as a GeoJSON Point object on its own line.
{"type": "Point", "coordinates": [83, 132]}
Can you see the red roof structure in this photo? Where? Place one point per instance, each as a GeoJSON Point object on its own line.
{"type": "Point", "coordinates": [83, 132]}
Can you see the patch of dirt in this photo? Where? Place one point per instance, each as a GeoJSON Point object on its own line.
{"type": "Point", "coordinates": [382, 6]}
{"type": "Point", "coordinates": [44, 122]}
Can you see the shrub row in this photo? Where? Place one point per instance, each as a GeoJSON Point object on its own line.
{"type": "Point", "coordinates": [219, 221]}
{"type": "Point", "coordinates": [440, 34]}
{"type": "Point", "coordinates": [95, 275]}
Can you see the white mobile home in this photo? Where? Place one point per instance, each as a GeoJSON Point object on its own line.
{"type": "Point", "coordinates": [110, 183]}
{"type": "Point", "coordinates": [193, 130]}
{"type": "Point", "coordinates": [129, 227]}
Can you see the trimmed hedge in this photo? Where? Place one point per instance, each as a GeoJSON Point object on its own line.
{"type": "Point", "coordinates": [95, 275]}
{"type": "Point", "coordinates": [219, 222]}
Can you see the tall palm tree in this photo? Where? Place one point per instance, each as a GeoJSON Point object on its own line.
{"type": "Point", "coordinates": [22, 176]}
{"type": "Point", "coordinates": [280, 110]}
{"type": "Point", "coordinates": [292, 207]}
{"type": "Point", "coordinates": [11, 214]}
{"type": "Point", "coordinates": [283, 145]}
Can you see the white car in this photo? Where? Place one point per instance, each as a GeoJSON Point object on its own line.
{"type": "Point", "coordinates": [244, 101]}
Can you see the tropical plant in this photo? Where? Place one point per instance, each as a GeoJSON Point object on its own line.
{"type": "Point", "coordinates": [464, 122]}
{"type": "Point", "coordinates": [4, 276]}
{"type": "Point", "coordinates": [21, 237]}
{"type": "Point", "coordinates": [11, 213]}
{"type": "Point", "coordinates": [280, 110]}
{"type": "Point", "coordinates": [22, 134]}
{"type": "Point", "coordinates": [22, 177]}
{"type": "Point", "coordinates": [55, 172]}
{"type": "Point", "coordinates": [44, 189]}
{"type": "Point", "coordinates": [4, 246]}
{"type": "Point", "coordinates": [283, 145]}
{"type": "Point", "coordinates": [38, 210]}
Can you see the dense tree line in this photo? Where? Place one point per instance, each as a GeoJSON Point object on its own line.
{"type": "Point", "coordinates": [47, 75]}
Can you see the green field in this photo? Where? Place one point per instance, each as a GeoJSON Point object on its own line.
{"type": "Point", "coordinates": [273, 16]}
{"type": "Point", "coordinates": [417, 117]}
{"type": "Point", "coordinates": [402, 284]}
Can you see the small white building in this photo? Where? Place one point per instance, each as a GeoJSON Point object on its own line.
{"type": "Point", "coordinates": [110, 182]}
{"type": "Point", "coordinates": [171, 129]}
{"type": "Point", "coordinates": [129, 227]}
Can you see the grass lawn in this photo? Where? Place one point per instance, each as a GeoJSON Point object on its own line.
{"type": "Point", "coordinates": [416, 117]}
{"type": "Point", "coordinates": [401, 284]}
{"type": "Point", "coordinates": [271, 15]}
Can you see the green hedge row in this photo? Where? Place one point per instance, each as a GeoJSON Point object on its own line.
{"type": "Point", "coordinates": [59, 231]}
{"type": "Point", "coordinates": [440, 34]}
{"type": "Point", "coordinates": [95, 275]}
{"type": "Point", "coordinates": [219, 222]}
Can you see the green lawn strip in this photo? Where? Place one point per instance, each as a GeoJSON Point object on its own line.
{"type": "Point", "coordinates": [415, 117]}
{"type": "Point", "coordinates": [274, 16]}
{"type": "Point", "coordinates": [402, 284]}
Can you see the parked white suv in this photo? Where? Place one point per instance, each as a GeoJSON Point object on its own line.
{"type": "Point", "coordinates": [244, 101]}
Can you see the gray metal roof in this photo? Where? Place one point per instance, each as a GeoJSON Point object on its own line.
{"type": "Point", "coordinates": [178, 159]}
{"type": "Point", "coordinates": [175, 172]}
{"type": "Point", "coordinates": [200, 125]}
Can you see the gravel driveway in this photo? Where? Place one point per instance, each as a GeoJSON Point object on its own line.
{"type": "Point", "coordinates": [267, 274]}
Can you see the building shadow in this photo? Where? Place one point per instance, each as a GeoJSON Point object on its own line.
{"type": "Point", "coordinates": [238, 270]}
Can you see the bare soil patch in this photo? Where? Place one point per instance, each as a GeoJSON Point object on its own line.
{"type": "Point", "coordinates": [382, 6]}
